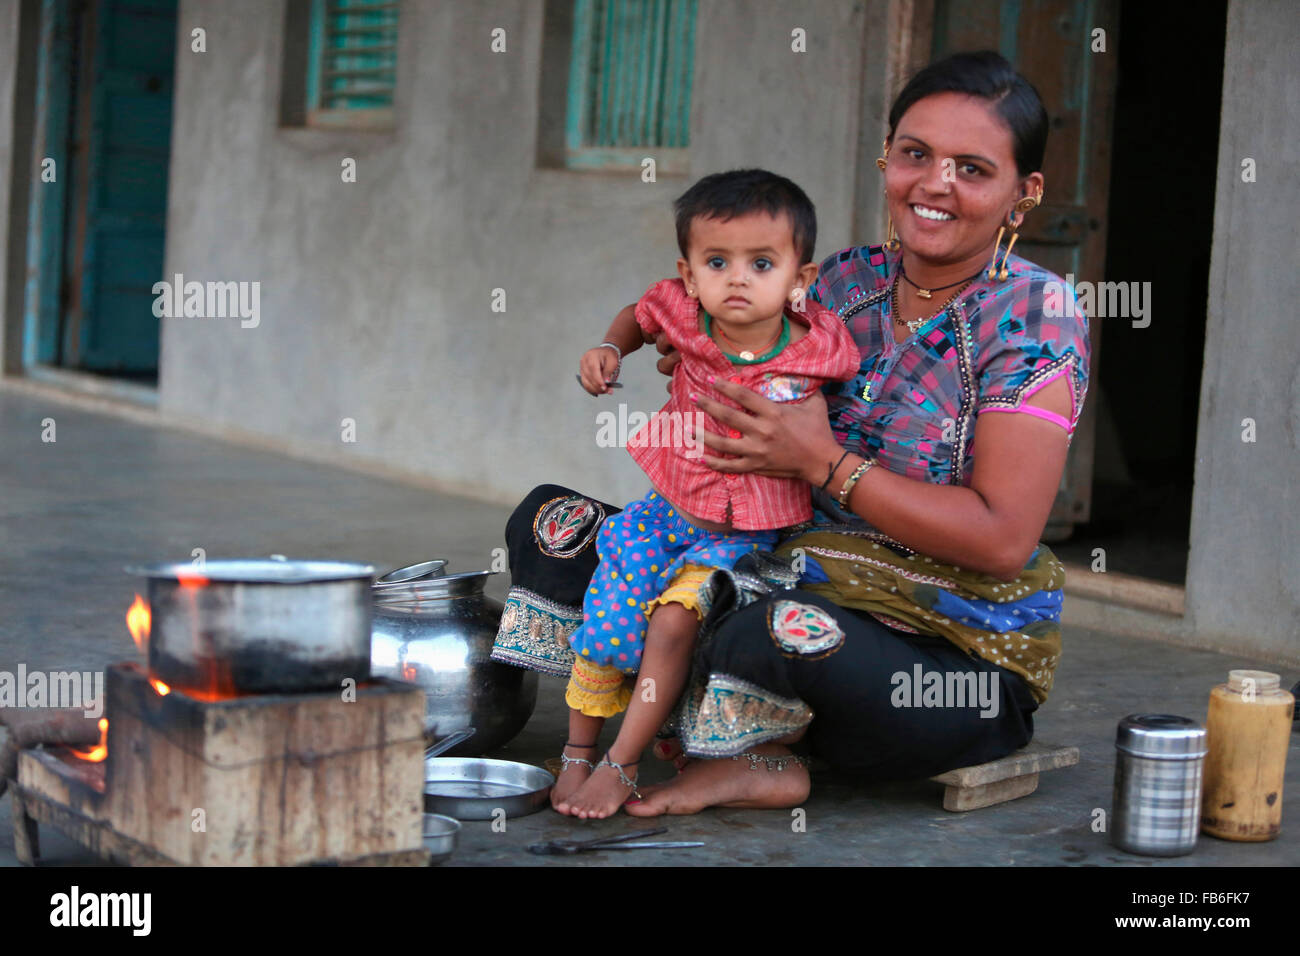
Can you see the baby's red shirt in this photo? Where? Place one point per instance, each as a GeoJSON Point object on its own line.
{"type": "Point", "coordinates": [757, 502]}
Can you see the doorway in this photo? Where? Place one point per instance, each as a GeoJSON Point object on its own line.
{"type": "Point", "coordinates": [98, 208]}
{"type": "Point", "coordinates": [1159, 226]}
{"type": "Point", "coordinates": [1131, 166]}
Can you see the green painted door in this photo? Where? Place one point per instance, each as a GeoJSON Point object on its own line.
{"type": "Point", "coordinates": [119, 141]}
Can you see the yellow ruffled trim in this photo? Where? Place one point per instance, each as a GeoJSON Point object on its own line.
{"type": "Point", "coordinates": [685, 590]}
{"type": "Point", "coordinates": [597, 690]}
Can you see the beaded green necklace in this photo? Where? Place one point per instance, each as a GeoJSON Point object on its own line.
{"type": "Point", "coordinates": [767, 356]}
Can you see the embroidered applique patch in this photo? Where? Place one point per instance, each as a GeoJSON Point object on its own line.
{"type": "Point", "coordinates": [784, 388]}
{"type": "Point", "coordinates": [803, 629]}
{"type": "Point", "coordinates": [564, 526]}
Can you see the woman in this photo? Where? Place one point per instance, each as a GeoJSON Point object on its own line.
{"type": "Point", "coordinates": [924, 630]}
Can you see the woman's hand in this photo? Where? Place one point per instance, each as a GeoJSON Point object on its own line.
{"type": "Point", "coordinates": [777, 439]}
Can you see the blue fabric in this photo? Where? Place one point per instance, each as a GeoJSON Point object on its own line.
{"type": "Point", "coordinates": [641, 551]}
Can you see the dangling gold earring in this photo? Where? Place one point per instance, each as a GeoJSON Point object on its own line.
{"type": "Point", "coordinates": [891, 237]}
{"type": "Point", "coordinates": [1022, 207]}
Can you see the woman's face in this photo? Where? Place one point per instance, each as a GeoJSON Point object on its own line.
{"type": "Point", "coordinates": [951, 178]}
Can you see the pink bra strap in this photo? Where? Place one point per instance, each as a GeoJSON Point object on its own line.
{"type": "Point", "coordinates": [1037, 413]}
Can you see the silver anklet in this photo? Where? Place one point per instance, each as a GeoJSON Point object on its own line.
{"type": "Point", "coordinates": [566, 760]}
{"type": "Point", "coordinates": [773, 763]}
{"type": "Point", "coordinates": [623, 777]}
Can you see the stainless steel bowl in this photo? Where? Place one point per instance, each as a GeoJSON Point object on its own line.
{"type": "Point", "coordinates": [440, 835]}
{"type": "Point", "coordinates": [475, 788]}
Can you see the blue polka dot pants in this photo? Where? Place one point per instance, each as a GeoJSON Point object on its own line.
{"type": "Point", "coordinates": [642, 549]}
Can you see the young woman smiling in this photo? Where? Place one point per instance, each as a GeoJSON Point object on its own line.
{"type": "Point", "coordinates": [924, 548]}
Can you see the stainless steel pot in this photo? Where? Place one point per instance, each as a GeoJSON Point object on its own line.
{"type": "Point", "coordinates": [255, 626]}
{"type": "Point", "coordinates": [437, 631]}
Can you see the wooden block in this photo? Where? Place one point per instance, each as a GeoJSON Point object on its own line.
{"type": "Point", "coordinates": [27, 840]}
{"type": "Point", "coordinates": [1034, 758]}
{"type": "Point", "coordinates": [985, 795]}
{"type": "Point", "coordinates": [271, 780]}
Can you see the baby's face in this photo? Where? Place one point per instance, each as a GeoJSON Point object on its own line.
{"type": "Point", "coordinates": [745, 269]}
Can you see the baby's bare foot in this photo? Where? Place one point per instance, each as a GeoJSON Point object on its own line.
{"type": "Point", "coordinates": [603, 793]}
{"type": "Point", "coordinates": [572, 777]}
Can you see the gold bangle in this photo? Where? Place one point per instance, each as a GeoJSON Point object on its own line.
{"type": "Point", "coordinates": [847, 490]}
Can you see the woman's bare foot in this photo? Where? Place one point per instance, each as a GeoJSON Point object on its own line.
{"type": "Point", "coordinates": [727, 783]}
{"type": "Point", "coordinates": [572, 777]}
{"type": "Point", "coordinates": [603, 793]}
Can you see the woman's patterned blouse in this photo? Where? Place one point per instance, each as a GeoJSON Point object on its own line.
{"type": "Point", "coordinates": [912, 406]}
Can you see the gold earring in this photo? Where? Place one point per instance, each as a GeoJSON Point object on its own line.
{"type": "Point", "coordinates": [883, 160]}
{"type": "Point", "coordinates": [891, 237]}
{"type": "Point", "coordinates": [1022, 206]}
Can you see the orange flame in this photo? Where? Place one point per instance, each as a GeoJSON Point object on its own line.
{"type": "Point", "coordinates": [98, 752]}
{"type": "Point", "coordinates": [137, 622]}
{"type": "Point", "coordinates": [162, 689]}
{"type": "Point", "coordinates": [191, 579]}
{"type": "Point", "coordinates": [409, 672]}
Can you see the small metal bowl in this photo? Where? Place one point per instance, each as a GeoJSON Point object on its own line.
{"type": "Point", "coordinates": [401, 577]}
{"type": "Point", "coordinates": [440, 835]}
{"type": "Point", "coordinates": [475, 788]}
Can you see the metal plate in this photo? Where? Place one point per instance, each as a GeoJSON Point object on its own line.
{"type": "Point", "coordinates": [475, 788]}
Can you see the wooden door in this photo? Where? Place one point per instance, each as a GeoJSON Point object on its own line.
{"type": "Point", "coordinates": [1051, 43]}
{"type": "Point", "coordinates": [119, 150]}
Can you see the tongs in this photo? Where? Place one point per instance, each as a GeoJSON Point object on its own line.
{"type": "Point", "coordinates": [567, 847]}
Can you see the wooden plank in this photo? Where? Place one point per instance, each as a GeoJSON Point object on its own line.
{"type": "Point", "coordinates": [1031, 759]}
{"type": "Point", "coordinates": [27, 838]}
{"type": "Point", "coordinates": [974, 798]}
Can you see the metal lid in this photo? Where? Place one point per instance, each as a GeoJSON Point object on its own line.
{"type": "Point", "coordinates": [1161, 737]}
{"type": "Point", "coordinates": [402, 577]}
{"type": "Point", "coordinates": [273, 570]}
{"type": "Point", "coordinates": [431, 590]}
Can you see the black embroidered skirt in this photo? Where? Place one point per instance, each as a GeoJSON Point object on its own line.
{"type": "Point", "coordinates": [873, 700]}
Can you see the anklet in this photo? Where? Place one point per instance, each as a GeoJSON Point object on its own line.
{"type": "Point", "coordinates": [623, 777]}
{"type": "Point", "coordinates": [565, 761]}
{"type": "Point", "coordinates": [773, 763]}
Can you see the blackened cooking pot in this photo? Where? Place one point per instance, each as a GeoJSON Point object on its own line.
{"type": "Point", "coordinates": [259, 625]}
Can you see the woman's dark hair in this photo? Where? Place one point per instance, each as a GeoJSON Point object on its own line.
{"type": "Point", "coordinates": [990, 77]}
{"type": "Point", "coordinates": [741, 191]}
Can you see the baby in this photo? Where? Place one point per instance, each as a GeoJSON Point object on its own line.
{"type": "Point", "coordinates": [738, 311]}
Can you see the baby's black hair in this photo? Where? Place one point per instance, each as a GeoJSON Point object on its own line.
{"type": "Point", "coordinates": [741, 191]}
{"type": "Point", "coordinates": [989, 76]}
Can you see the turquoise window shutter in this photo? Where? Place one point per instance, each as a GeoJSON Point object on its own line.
{"type": "Point", "coordinates": [352, 56]}
{"type": "Point", "coordinates": [630, 80]}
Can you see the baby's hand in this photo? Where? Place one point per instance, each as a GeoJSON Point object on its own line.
{"type": "Point", "coordinates": [598, 369]}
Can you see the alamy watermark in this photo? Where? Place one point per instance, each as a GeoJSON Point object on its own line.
{"type": "Point", "coordinates": [83, 690]}
{"type": "Point", "coordinates": [208, 300]}
{"type": "Point", "coordinates": [923, 688]}
{"type": "Point", "coordinates": [1100, 300]}
{"type": "Point", "coordinates": [635, 429]}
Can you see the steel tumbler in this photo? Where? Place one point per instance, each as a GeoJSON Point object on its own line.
{"type": "Point", "coordinates": [1156, 809]}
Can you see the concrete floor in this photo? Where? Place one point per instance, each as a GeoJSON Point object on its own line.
{"type": "Point", "coordinates": [112, 491]}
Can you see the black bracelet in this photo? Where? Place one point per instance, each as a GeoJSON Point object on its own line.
{"type": "Point", "coordinates": [831, 474]}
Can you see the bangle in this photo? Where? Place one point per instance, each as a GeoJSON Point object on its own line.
{"type": "Point", "coordinates": [617, 351]}
{"type": "Point", "coordinates": [858, 472]}
{"type": "Point", "coordinates": [831, 474]}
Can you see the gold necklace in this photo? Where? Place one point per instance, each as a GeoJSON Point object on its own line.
{"type": "Point", "coordinates": [915, 324]}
